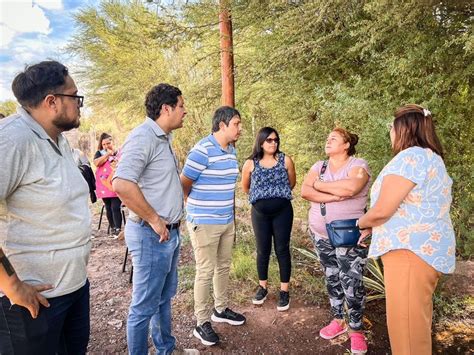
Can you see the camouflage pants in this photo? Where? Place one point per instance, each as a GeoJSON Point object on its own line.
{"type": "Point", "coordinates": [344, 268]}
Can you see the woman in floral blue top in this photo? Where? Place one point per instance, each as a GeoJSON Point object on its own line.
{"type": "Point", "coordinates": [411, 227]}
{"type": "Point", "coordinates": [268, 176]}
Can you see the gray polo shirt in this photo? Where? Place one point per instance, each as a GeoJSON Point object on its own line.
{"type": "Point", "coordinates": [45, 222]}
{"type": "Point", "coordinates": [149, 161]}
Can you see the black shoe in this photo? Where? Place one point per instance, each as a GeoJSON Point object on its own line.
{"type": "Point", "coordinates": [114, 232]}
{"type": "Point", "coordinates": [206, 334]}
{"type": "Point", "coordinates": [260, 296]}
{"type": "Point", "coordinates": [228, 316]}
{"type": "Point", "coordinates": [284, 301]}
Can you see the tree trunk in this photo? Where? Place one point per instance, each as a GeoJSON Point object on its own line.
{"type": "Point", "coordinates": [227, 57]}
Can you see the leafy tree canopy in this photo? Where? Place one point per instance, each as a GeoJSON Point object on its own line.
{"type": "Point", "coordinates": [300, 66]}
{"type": "Point", "coordinates": [8, 107]}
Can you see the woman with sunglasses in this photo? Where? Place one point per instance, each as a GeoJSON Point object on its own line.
{"type": "Point", "coordinates": [106, 159]}
{"type": "Point", "coordinates": [268, 176]}
{"type": "Point", "coordinates": [412, 230]}
{"type": "Point", "coordinates": [337, 189]}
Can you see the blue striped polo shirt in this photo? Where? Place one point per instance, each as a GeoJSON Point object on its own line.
{"type": "Point", "coordinates": [214, 171]}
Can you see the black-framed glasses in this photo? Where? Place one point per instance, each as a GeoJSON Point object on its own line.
{"type": "Point", "coordinates": [80, 99]}
{"type": "Point", "coordinates": [272, 140]}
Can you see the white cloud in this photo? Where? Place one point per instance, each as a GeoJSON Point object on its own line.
{"type": "Point", "coordinates": [6, 35]}
{"type": "Point", "coordinates": [42, 41]}
{"type": "Point", "coordinates": [24, 30]}
{"type": "Point", "coordinates": [5, 91]}
{"type": "Point", "coordinates": [28, 51]}
{"type": "Point", "coordinates": [49, 4]}
{"type": "Point", "coordinates": [21, 16]}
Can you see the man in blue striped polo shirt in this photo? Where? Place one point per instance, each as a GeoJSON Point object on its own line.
{"type": "Point", "coordinates": [208, 178]}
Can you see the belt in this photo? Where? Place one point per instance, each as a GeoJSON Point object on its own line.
{"type": "Point", "coordinates": [137, 219]}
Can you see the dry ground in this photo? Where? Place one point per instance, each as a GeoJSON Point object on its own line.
{"type": "Point", "coordinates": [266, 331]}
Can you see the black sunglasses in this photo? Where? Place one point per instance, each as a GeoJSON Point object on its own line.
{"type": "Point", "coordinates": [80, 99]}
{"type": "Point", "coordinates": [271, 140]}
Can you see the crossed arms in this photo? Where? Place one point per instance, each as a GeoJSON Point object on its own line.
{"type": "Point", "coordinates": [319, 191]}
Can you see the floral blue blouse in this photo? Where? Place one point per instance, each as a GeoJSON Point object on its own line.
{"type": "Point", "coordinates": [421, 223]}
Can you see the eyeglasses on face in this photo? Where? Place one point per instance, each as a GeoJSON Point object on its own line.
{"type": "Point", "coordinates": [80, 99]}
{"type": "Point", "coordinates": [272, 140]}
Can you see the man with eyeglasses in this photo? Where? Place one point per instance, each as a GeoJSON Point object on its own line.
{"type": "Point", "coordinates": [45, 222]}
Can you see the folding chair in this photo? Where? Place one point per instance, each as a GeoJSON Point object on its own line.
{"type": "Point", "coordinates": [125, 264]}
{"type": "Point", "coordinates": [102, 215]}
{"type": "Point", "coordinates": [108, 231]}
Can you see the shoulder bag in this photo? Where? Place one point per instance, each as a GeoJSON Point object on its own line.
{"type": "Point", "coordinates": [341, 232]}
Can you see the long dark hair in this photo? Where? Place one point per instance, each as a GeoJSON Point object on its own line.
{"type": "Point", "coordinates": [101, 138]}
{"type": "Point", "coordinates": [414, 126]}
{"type": "Point", "coordinates": [263, 134]}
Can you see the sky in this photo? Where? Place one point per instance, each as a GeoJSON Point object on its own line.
{"type": "Point", "coordinates": [32, 31]}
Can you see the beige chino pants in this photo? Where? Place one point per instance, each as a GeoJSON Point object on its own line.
{"type": "Point", "coordinates": [212, 244]}
{"type": "Point", "coordinates": [409, 286]}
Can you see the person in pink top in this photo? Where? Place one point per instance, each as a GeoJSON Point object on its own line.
{"type": "Point", "coordinates": [343, 190]}
{"type": "Point", "coordinates": [106, 159]}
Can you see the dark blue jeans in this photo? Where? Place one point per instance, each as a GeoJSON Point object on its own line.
{"type": "Point", "coordinates": [63, 328]}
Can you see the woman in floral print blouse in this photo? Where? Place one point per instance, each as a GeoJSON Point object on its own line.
{"type": "Point", "coordinates": [412, 230]}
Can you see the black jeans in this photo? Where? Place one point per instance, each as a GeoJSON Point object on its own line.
{"type": "Point", "coordinates": [114, 213]}
{"type": "Point", "coordinates": [63, 328]}
{"type": "Point", "coordinates": [273, 218]}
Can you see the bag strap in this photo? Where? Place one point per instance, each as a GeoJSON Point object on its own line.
{"type": "Point", "coordinates": [322, 205]}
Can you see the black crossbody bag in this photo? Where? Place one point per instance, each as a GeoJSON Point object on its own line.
{"type": "Point", "coordinates": [341, 232]}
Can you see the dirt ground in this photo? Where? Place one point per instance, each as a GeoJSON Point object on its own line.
{"type": "Point", "coordinates": [267, 331]}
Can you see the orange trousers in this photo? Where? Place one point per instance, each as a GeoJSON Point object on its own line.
{"type": "Point", "coordinates": [409, 286]}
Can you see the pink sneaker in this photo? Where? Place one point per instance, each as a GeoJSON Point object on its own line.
{"type": "Point", "coordinates": [332, 330]}
{"type": "Point", "coordinates": [358, 343]}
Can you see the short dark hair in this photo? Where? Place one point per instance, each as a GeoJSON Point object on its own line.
{"type": "Point", "coordinates": [263, 134]}
{"type": "Point", "coordinates": [223, 114]}
{"type": "Point", "coordinates": [37, 81]}
{"type": "Point", "coordinates": [159, 95]}
{"type": "Point", "coordinates": [414, 127]}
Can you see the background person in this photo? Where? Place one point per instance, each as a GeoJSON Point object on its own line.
{"type": "Point", "coordinates": [344, 191]}
{"type": "Point", "coordinates": [268, 176]}
{"type": "Point", "coordinates": [412, 230]}
{"type": "Point", "coordinates": [85, 167]}
{"type": "Point", "coordinates": [106, 159]}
